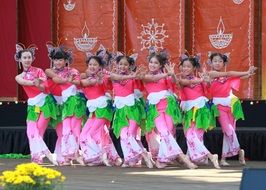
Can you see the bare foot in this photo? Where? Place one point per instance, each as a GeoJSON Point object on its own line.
{"type": "Point", "coordinates": [224, 163]}
{"type": "Point", "coordinates": [105, 160]}
{"type": "Point", "coordinates": [148, 159]}
{"type": "Point", "coordinates": [184, 159]}
{"type": "Point", "coordinates": [51, 159]}
{"type": "Point", "coordinates": [118, 162]}
{"type": "Point", "coordinates": [241, 155]}
{"type": "Point", "coordinates": [80, 160]}
{"type": "Point", "coordinates": [214, 161]}
{"type": "Point", "coordinates": [160, 164]}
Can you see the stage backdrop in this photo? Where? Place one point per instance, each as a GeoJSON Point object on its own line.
{"type": "Point", "coordinates": [158, 23]}
{"type": "Point", "coordinates": [264, 49]}
{"type": "Point", "coordinates": [83, 25]}
{"type": "Point", "coordinates": [225, 26]}
{"type": "Point", "coordinates": [8, 71]}
{"type": "Point", "coordinates": [34, 27]}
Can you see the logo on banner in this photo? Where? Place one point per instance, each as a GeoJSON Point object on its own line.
{"type": "Point", "coordinates": [85, 43]}
{"type": "Point", "coordinates": [69, 6]}
{"type": "Point", "coordinates": [238, 1]}
{"type": "Point", "coordinates": [220, 40]}
{"type": "Point", "coordinates": [152, 34]}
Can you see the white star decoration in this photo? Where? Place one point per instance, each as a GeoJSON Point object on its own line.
{"type": "Point", "coordinates": [152, 34]}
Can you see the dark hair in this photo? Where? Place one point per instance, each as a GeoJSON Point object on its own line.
{"type": "Point", "coordinates": [19, 54]}
{"type": "Point", "coordinates": [96, 58]}
{"type": "Point", "coordinates": [222, 56]}
{"type": "Point", "coordinates": [60, 53]}
{"type": "Point", "coordinates": [194, 61]}
{"type": "Point", "coordinates": [107, 57]}
{"type": "Point", "coordinates": [130, 60]}
{"type": "Point", "coordinates": [162, 58]}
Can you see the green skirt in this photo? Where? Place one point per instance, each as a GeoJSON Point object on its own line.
{"type": "Point", "coordinates": [236, 109]}
{"type": "Point", "coordinates": [141, 106]}
{"type": "Point", "coordinates": [122, 117]}
{"type": "Point", "coordinates": [54, 122]}
{"type": "Point", "coordinates": [106, 112]}
{"type": "Point", "coordinates": [74, 106]}
{"type": "Point", "coordinates": [172, 109]}
{"type": "Point", "coordinates": [48, 109]}
{"type": "Point", "coordinates": [204, 118]}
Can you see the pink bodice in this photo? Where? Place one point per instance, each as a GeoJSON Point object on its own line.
{"type": "Point", "coordinates": [97, 90]}
{"type": "Point", "coordinates": [54, 88]}
{"type": "Point", "coordinates": [65, 73]}
{"type": "Point", "coordinates": [31, 74]}
{"type": "Point", "coordinates": [192, 92]}
{"type": "Point", "coordinates": [123, 88]}
{"type": "Point", "coordinates": [162, 84]}
{"type": "Point", "coordinates": [221, 87]}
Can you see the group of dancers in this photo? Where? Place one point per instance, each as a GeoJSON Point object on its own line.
{"type": "Point", "coordinates": [113, 93]}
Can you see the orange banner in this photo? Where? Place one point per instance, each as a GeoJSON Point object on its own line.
{"type": "Point", "coordinates": [226, 26]}
{"type": "Point", "coordinates": [264, 50]}
{"type": "Point", "coordinates": [158, 23]}
{"type": "Point", "coordinates": [83, 25]}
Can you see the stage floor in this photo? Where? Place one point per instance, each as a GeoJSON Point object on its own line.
{"type": "Point", "coordinates": [251, 139]}
{"type": "Point", "coordinates": [117, 178]}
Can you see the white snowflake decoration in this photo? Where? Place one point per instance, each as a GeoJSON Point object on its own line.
{"type": "Point", "coordinates": [152, 34]}
{"type": "Point", "coordinates": [238, 1]}
{"type": "Point", "coordinates": [220, 40]}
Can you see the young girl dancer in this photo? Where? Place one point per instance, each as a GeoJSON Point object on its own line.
{"type": "Point", "coordinates": [41, 106]}
{"type": "Point", "coordinates": [73, 108]}
{"type": "Point", "coordinates": [127, 117]}
{"type": "Point", "coordinates": [162, 113]}
{"type": "Point", "coordinates": [95, 142]}
{"type": "Point", "coordinates": [227, 103]}
{"type": "Point", "coordinates": [197, 116]}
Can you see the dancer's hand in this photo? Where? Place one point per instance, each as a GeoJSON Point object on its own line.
{"type": "Point", "coordinates": [251, 70]}
{"type": "Point", "coordinates": [170, 68]}
{"type": "Point", "coordinates": [140, 72]}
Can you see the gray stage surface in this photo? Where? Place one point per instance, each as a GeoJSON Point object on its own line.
{"type": "Point", "coordinates": [174, 177]}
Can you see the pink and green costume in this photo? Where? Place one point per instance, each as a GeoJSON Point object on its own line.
{"type": "Point", "coordinates": [41, 108]}
{"type": "Point", "coordinates": [163, 113]}
{"type": "Point", "coordinates": [230, 110]}
{"type": "Point", "coordinates": [126, 120]}
{"type": "Point", "coordinates": [94, 138]}
{"type": "Point", "coordinates": [73, 111]}
{"type": "Point", "coordinates": [56, 91]}
{"type": "Point", "coordinates": [197, 118]}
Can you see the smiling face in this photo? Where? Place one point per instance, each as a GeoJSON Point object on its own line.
{"type": "Point", "coordinates": [217, 63]}
{"type": "Point", "coordinates": [26, 59]}
{"type": "Point", "coordinates": [59, 63]}
{"type": "Point", "coordinates": [154, 65]}
{"type": "Point", "coordinates": [93, 66]}
{"type": "Point", "coordinates": [187, 68]}
{"type": "Point", "coordinates": [123, 65]}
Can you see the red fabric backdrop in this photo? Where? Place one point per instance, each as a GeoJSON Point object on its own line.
{"type": "Point", "coordinates": [8, 71]}
{"type": "Point", "coordinates": [234, 34]}
{"type": "Point", "coordinates": [90, 22]}
{"type": "Point", "coordinates": [157, 23]}
{"type": "Point", "coordinates": [34, 27]}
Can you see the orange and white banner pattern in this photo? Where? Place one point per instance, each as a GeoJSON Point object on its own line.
{"type": "Point", "coordinates": [226, 26]}
{"type": "Point", "coordinates": [158, 23]}
{"type": "Point", "coordinates": [83, 25]}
